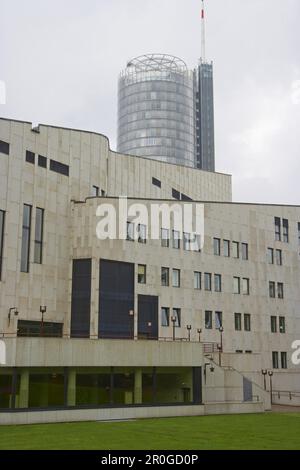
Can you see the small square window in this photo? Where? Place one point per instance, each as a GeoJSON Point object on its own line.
{"type": "Point", "coordinates": [30, 157]}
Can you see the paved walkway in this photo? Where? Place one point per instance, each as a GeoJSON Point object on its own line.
{"type": "Point", "coordinates": [285, 409]}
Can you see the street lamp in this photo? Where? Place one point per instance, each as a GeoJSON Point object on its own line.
{"type": "Point", "coordinates": [264, 373]}
{"type": "Point", "coordinates": [189, 327]}
{"type": "Point", "coordinates": [131, 315]}
{"type": "Point", "coordinates": [43, 310]}
{"type": "Point", "coordinates": [270, 374]}
{"type": "Point", "coordinates": [199, 331]}
{"type": "Point", "coordinates": [173, 320]}
{"type": "Point", "coordinates": [211, 369]}
{"type": "Point", "coordinates": [221, 329]}
{"type": "Point", "coordinates": [12, 310]}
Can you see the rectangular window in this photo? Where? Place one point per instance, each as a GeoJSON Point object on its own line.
{"type": "Point", "coordinates": [277, 222]}
{"type": "Point", "coordinates": [30, 157]}
{"type": "Point", "coordinates": [235, 249]}
{"type": "Point", "coordinates": [299, 233]}
{"type": "Point", "coordinates": [142, 233]}
{"type": "Point", "coordinates": [175, 194]}
{"type": "Point", "coordinates": [218, 320]}
{"type": "Point", "coordinates": [246, 286]}
{"type": "Point", "coordinates": [272, 292]}
{"type": "Point", "coordinates": [177, 315]}
{"type": "Point", "coordinates": [247, 322]}
{"type": "Point", "coordinates": [217, 246]}
{"type": "Point", "coordinates": [165, 316]}
{"type": "Point", "coordinates": [165, 273]}
{"type": "Point", "coordinates": [245, 251]}
{"type": "Point", "coordinates": [285, 230]}
{"type": "Point", "coordinates": [207, 281]}
{"type": "Point", "coordinates": [39, 233]}
{"type": "Point", "coordinates": [42, 161]}
{"type": "Point", "coordinates": [28, 328]}
{"type": "Point", "coordinates": [226, 248]}
{"type": "Point", "coordinates": [275, 361]}
{"type": "Point", "coordinates": [176, 239]}
{"type": "Point", "coordinates": [95, 191]}
{"type": "Point", "coordinates": [238, 321]}
{"type": "Point", "coordinates": [184, 197]}
{"type": "Point", "coordinates": [4, 147]}
{"type": "Point", "coordinates": [282, 324]}
{"type": "Point", "coordinates": [2, 221]}
{"type": "Point", "coordinates": [208, 319]}
{"type": "Point", "coordinates": [236, 285]}
{"type": "Point", "coordinates": [273, 324]}
{"type": "Point", "coordinates": [176, 278]}
{"type": "Point", "coordinates": [283, 357]}
{"type": "Point", "coordinates": [280, 290]}
{"type": "Point", "coordinates": [156, 182]}
{"type": "Point", "coordinates": [278, 257]}
{"type": "Point", "coordinates": [141, 274]}
{"type": "Point", "coordinates": [197, 280]}
{"type": "Point", "coordinates": [26, 229]}
{"type": "Point", "coordinates": [187, 241]}
{"type": "Point", "coordinates": [165, 238]}
{"type": "Point", "coordinates": [270, 255]}
{"type": "Point", "coordinates": [218, 282]}
{"type": "Point", "coordinates": [60, 168]}
{"type": "Point", "coordinates": [130, 232]}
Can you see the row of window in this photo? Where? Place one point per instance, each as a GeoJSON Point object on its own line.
{"type": "Point", "coordinates": [26, 235]}
{"type": "Point", "coordinates": [273, 290]}
{"type": "Point", "coordinates": [235, 249]}
{"type": "Point", "coordinates": [275, 360]}
{"type": "Point", "coordinates": [55, 166]}
{"type": "Point", "coordinates": [274, 256]}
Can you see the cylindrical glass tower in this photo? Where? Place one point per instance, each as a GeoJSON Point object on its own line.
{"type": "Point", "coordinates": [156, 115]}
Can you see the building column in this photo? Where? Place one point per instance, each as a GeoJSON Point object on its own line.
{"type": "Point", "coordinates": [71, 392]}
{"type": "Point", "coordinates": [23, 401]}
{"type": "Point", "coordinates": [138, 386]}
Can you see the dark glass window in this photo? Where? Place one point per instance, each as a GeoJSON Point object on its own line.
{"type": "Point", "coordinates": [38, 240]}
{"type": "Point", "coordinates": [236, 285]}
{"type": "Point", "coordinates": [95, 191]}
{"type": "Point", "coordinates": [197, 280]}
{"type": "Point", "coordinates": [141, 274]}
{"type": "Point", "coordinates": [175, 194]}
{"type": "Point", "coordinates": [184, 197]}
{"type": "Point", "coordinates": [282, 324]}
{"type": "Point", "coordinates": [177, 315]}
{"type": "Point", "coordinates": [235, 249]}
{"type": "Point", "coordinates": [2, 221]}
{"type": "Point", "coordinates": [156, 182]}
{"type": "Point", "coordinates": [299, 233]}
{"type": "Point", "coordinates": [285, 226]}
{"type": "Point", "coordinates": [207, 281]}
{"type": "Point", "coordinates": [270, 255]}
{"type": "Point", "coordinates": [30, 157]}
{"type": "Point", "coordinates": [218, 282]}
{"type": "Point", "coordinates": [165, 316]}
{"type": "Point", "coordinates": [218, 320]}
{"type": "Point", "coordinates": [59, 167]}
{"type": "Point", "coordinates": [142, 233]}
{"type": "Point", "coordinates": [217, 246]}
{"type": "Point", "coordinates": [283, 360]}
{"type": "Point", "coordinates": [278, 257]}
{"type": "Point", "coordinates": [238, 321]}
{"type": "Point", "coordinates": [26, 238]}
{"type": "Point", "coordinates": [273, 324]}
{"type": "Point", "coordinates": [4, 147]}
{"type": "Point", "coordinates": [277, 222]}
{"type": "Point", "coordinates": [81, 298]}
{"type": "Point", "coordinates": [165, 276]}
{"type": "Point", "coordinates": [245, 251]}
{"type": "Point", "coordinates": [226, 248]}
{"type": "Point", "coordinates": [38, 328]}
{"type": "Point", "coordinates": [208, 319]}
{"type": "Point", "coordinates": [275, 360]}
{"type": "Point", "coordinates": [130, 232]}
{"type": "Point", "coordinates": [42, 161]}
{"type": "Point", "coordinates": [272, 292]}
{"type": "Point", "coordinates": [247, 322]}
{"type": "Point", "coordinates": [280, 290]}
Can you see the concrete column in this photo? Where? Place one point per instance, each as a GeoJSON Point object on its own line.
{"type": "Point", "coordinates": [71, 393]}
{"type": "Point", "coordinates": [24, 389]}
{"type": "Point", "coordinates": [138, 386]}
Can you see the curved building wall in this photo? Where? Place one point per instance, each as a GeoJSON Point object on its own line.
{"type": "Point", "coordinates": [156, 112]}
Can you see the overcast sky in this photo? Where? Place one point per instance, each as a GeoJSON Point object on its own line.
{"type": "Point", "coordinates": [60, 60]}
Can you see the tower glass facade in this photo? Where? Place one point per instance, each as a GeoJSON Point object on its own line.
{"type": "Point", "coordinates": [156, 113]}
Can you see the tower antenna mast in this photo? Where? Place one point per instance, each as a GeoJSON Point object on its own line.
{"type": "Point", "coordinates": [203, 32]}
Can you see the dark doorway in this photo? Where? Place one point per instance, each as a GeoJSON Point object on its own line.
{"type": "Point", "coordinates": [147, 317]}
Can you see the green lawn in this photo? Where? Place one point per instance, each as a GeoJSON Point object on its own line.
{"type": "Point", "coordinates": [262, 431]}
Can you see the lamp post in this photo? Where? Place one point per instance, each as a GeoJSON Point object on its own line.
{"type": "Point", "coordinates": [173, 320]}
{"type": "Point", "coordinates": [221, 329]}
{"type": "Point", "coordinates": [131, 316]}
{"type": "Point", "coordinates": [270, 374]}
{"type": "Point", "coordinates": [189, 327]}
{"type": "Point", "coordinates": [43, 310]}
{"type": "Point", "coordinates": [199, 331]}
{"type": "Point", "coordinates": [264, 373]}
{"type": "Point", "coordinates": [12, 310]}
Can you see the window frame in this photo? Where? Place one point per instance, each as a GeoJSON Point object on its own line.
{"type": "Point", "coordinates": [165, 310]}
{"type": "Point", "coordinates": [144, 274]}
{"type": "Point", "coordinates": [208, 314]}
{"type": "Point", "coordinates": [176, 272]}
{"type": "Point", "coordinates": [26, 229]}
{"type": "Point", "coordinates": [247, 322]}
{"type": "Point", "coordinates": [39, 242]}
{"type": "Point", "coordinates": [237, 321]}
{"type": "Point", "coordinates": [165, 269]}
{"type": "Point", "coordinates": [165, 242]}
{"type": "Point", "coordinates": [217, 246]}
